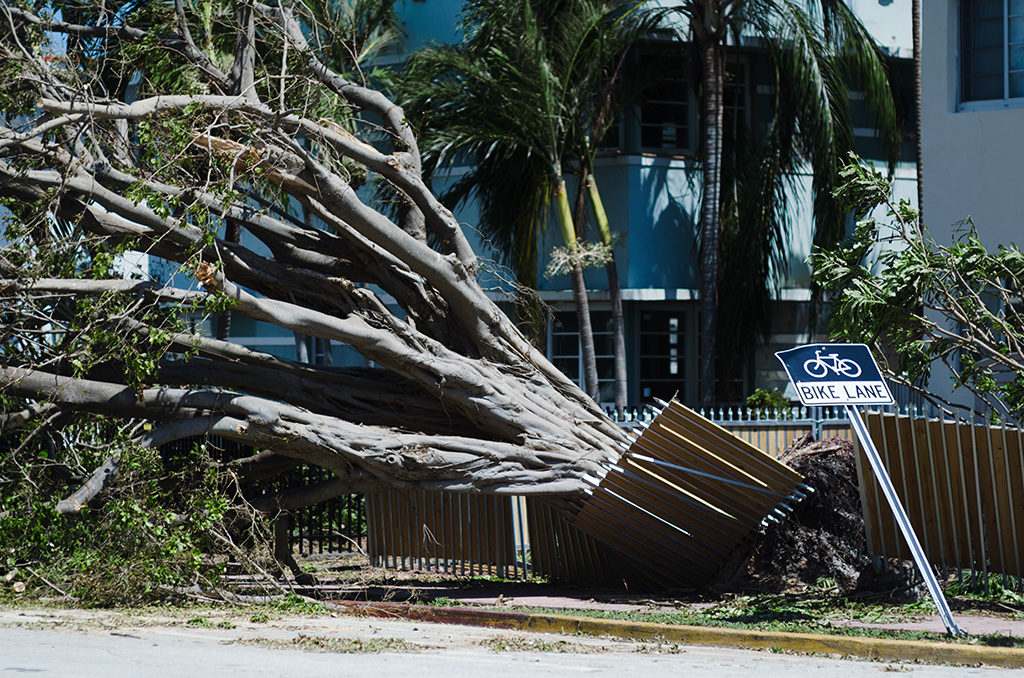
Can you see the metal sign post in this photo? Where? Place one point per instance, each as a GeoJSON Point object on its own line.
{"type": "Point", "coordinates": [847, 375]}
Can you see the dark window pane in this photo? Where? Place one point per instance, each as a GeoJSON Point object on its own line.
{"type": "Point", "coordinates": [988, 61]}
{"type": "Point", "coordinates": [607, 391]}
{"type": "Point", "coordinates": [601, 321]}
{"type": "Point", "coordinates": [603, 344]}
{"type": "Point", "coordinates": [661, 321]}
{"type": "Point", "coordinates": [982, 48]}
{"type": "Point", "coordinates": [570, 367]}
{"type": "Point", "coordinates": [984, 9]}
{"type": "Point", "coordinates": [1017, 84]}
{"type": "Point", "coordinates": [611, 138]}
{"type": "Point", "coordinates": [666, 136]}
{"type": "Point", "coordinates": [1016, 57]}
{"type": "Point", "coordinates": [565, 344]}
{"type": "Point", "coordinates": [662, 367]}
{"type": "Point", "coordinates": [987, 87]}
{"type": "Point", "coordinates": [1017, 29]}
{"type": "Point", "coordinates": [665, 110]}
{"type": "Point", "coordinates": [605, 368]}
{"type": "Point", "coordinates": [565, 322]}
{"type": "Point", "coordinates": [659, 344]}
{"type": "Point", "coordinates": [987, 33]}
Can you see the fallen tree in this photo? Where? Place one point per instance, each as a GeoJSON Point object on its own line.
{"type": "Point", "coordinates": [155, 129]}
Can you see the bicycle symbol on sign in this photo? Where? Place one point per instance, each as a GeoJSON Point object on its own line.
{"type": "Point", "coordinates": [820, 365]}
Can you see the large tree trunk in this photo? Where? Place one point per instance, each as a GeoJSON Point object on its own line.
{"type": "Point", "coordinates": [456, 398]}
{"type": "Point", "coordinates": [712, 81]}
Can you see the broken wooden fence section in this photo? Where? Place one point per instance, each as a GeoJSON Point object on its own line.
{"type": "Point", "coordinates": [683, 498]}
{"type": "Point", "coordinates": [962, 485]}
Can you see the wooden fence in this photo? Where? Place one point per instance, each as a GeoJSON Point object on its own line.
{"type": "Point", "coordinates": [962, 485]}
{"type": "Point", "coordinates": [442, 531]}
{"type": "Point", "coordinates": [670, 514]}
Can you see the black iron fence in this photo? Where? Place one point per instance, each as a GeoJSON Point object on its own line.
{"type": "Point", "coordinates": [335, 526]}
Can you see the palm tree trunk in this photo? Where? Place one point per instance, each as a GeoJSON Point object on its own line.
{"type": "Point", "coordinates": [614, 294]}
{"type": "Point", "coordinates": [579, 293]}
{"type": "Point", "coordinates": [918, 153]}
{"type": "Point", "coordinates": [712, 63]}
{"type": "Point", "coordinates": [233, 233]}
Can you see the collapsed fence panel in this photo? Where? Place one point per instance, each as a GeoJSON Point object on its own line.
{"type": "Point", "coordinates": [560, 551]}
{"type": "Point", "coordinates": [685, 497]}
{"type": "Point", "coordinates": [962, 485]}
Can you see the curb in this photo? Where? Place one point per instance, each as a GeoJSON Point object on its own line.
{"type": "Point", "coordinates": [804, 643]}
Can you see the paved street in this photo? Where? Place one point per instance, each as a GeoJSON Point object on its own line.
{"type": "Point", "coordinates": [110, 645]}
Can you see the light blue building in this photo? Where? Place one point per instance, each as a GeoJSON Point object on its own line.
{"type": "Point", "coordinates": [648, 184]}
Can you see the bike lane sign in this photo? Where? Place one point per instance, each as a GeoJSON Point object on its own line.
{"type": "Point", "coordinates": [835, 374]}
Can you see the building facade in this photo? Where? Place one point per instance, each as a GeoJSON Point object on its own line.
{"type": "Point", "coordinates": [649, 183]}
{"type": "Point", "coordinates": [972, 127]}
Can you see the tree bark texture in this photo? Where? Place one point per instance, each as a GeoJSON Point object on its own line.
{"type": "Point", "coordinates": [588, 358]}
{"type": "Point", "coordinates": [918, 148]}
{"type": "Point", "coordinates": [712, 80]}
{"type": "Point", "coordinates": [454, 397]}
{"type": "Point", "coordinates": [614, 296]}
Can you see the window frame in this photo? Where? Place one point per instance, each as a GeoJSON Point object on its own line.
{"type": "Point", "coordinates": [1006, 101]}
{"type": "Point", "coordinates": [664, 51]}
{"type": "Point", "coordinates": [688, 344]}
{"type": "Point", "coordinates": [598, 310]}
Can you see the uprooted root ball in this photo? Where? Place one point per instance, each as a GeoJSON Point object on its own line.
{"type": "Point", "coordinates": [824, 538]}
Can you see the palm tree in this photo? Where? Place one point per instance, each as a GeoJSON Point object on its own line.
{"type": "Point", "coordinates": [597, 112]}
{"type": "Point", "coordinates": [521, 97]}
{"type": "Point", "coordinates": [818, 47]}
{"type": "Point", "coordinates": [915, 11]}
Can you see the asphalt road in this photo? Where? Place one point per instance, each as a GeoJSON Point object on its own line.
{"type": "Point", "coordinates": [49, 645]}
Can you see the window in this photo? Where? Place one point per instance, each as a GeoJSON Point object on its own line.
{"type": "Point", "coordinates": [669, 115]}
{"type": "Point", "coordinates": [663, 354]}
{"type": "Point", "coordinates": [565, 349]}
{"type": "Point", "coordinates": [665, 111]}
{"type": "Point", "coordinates": [736, 95]}
{"type": "Point", "coordinates": [991, 50]}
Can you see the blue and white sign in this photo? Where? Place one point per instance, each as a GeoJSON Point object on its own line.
{"type": "Point", "coordinates": [835, 374]}
{"type": "Point", "coordinates": [846, 374]}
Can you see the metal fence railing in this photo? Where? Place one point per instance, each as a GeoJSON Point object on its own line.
{"type": "Point", "coordinates": [334, 526]}
{"type": "Point", "coordinates": [769, 430]}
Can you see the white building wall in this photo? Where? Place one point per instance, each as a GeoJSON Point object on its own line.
{"type": "Point", "coordinates": [973, 159]}
{"type": "Point", "coordinates": [973, 155]}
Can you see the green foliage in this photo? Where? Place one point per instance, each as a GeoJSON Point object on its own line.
{"type": "Point", "coordinates": [998, 588]}
{"type": "Point", "coordinates": [818, 52]}
{"type": "Point", "coordinates": [768, 402]}
{"type": "Point", "coordinates": [532, 86]}
{"type": "Point", "coordinates": [165, 521]}
{"type": "Point", "coordinates": [149, 532]}
{"type": "Point", "coordinates": [14, 100]}
{"type": "Point", "coordinates": [915, 301]}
